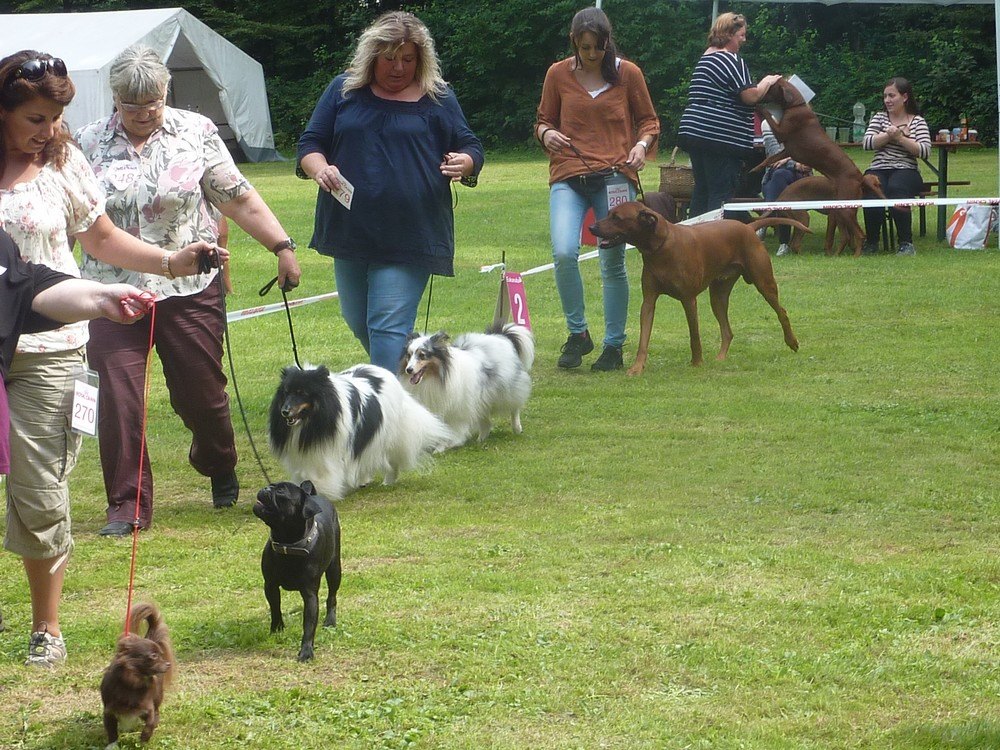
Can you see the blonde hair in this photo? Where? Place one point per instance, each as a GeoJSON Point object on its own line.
{"type": "Point", "coordinates": [725, 28]}
{"type": "Point", "coordinates": [385, 36]}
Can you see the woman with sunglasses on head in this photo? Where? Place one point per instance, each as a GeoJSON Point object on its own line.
{"type": "Point", "coordinates": [391, 127]}
{"type": "Point", "coordinates": [716, 127]}
{"type": "Point", "coordinates": [49, 194]}
{"type": "Point", "coordinates": [166, 176]}
{"type": "Point", "coordinates": [598, 124]}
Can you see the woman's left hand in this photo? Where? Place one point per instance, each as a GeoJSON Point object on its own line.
{"type": "Point", "coordinates": [636, 158]}
{"type": "Point", "coordinates": [187, 260]}
{"type": "Point", "coordinates": [456, 165]}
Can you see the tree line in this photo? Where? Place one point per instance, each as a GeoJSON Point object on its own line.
{"type": "Point", "coordinates": [495, 54]}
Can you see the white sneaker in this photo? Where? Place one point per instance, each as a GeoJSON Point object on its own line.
{"type": "Point", "coordinates": [45, 650]}
{"type": "Point", "coordinates": [762, 232]}
{"type": "Point", "coordinates": [783, 249]}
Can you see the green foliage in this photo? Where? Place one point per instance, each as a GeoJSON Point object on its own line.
{"type": "Point", "coordinates": [496, 54]}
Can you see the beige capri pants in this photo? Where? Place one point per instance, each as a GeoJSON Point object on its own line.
{"type": "Point", "coordinates": [43, 451]}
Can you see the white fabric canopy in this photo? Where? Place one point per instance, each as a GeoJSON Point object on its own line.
{"type": "Point", "coordinates": [210, 75]}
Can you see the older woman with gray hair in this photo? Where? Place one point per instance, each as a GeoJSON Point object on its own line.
{"type": "Point", "coordinates": [167, 175]}
{"type": "Point", "coordinates": [387, 139]}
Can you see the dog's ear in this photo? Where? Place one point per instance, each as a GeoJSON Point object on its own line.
{"type": "Point", "coordinates": [440, 338]}
{"type": "Point", "coordinates": [647, 219]}
{"type": "Point", "coordinates": [412, 335]}
{"type": "Point", "coordinates": [308, 487]}
{"type": "Point", "coordinates": [323, 371]}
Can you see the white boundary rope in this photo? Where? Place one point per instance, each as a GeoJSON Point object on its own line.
{"type": "Point", "coordinates": [862, 203]}
{"type": "Point", "coordinates": [254, 312]}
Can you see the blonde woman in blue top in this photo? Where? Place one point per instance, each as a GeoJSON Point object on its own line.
{"type": "Point", "coordinates": [392, 128]}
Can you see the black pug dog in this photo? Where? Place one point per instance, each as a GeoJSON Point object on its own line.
{"type": "Point", "coordinates": [304, 545]}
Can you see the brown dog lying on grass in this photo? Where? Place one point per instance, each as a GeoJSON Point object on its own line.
{"type": "Point", "coordinates": [142, 667]}
{"type": "Point", "coordinates": [819, 188]}
{"type": "Point", "coordinates": [682, 261]}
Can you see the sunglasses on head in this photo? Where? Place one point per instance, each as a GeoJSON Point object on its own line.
{"type": "Point", "coordinates": [35, 69]}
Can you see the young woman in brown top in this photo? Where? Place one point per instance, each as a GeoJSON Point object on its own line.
{"type": "Point", "coordinates": [597, 122]}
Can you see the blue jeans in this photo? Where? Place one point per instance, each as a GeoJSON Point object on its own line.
{"type": "Point", "coordinates": [567, 209]}
{"type": "Point", "coordinates": [379, 303]}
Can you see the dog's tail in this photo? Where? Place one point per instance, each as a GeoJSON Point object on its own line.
{"type": "Point", "coordinates": [870, 185]}
{"type": "Point", "coordinates": [774, 221]}
{"type": "Point", "coordinates": [522, 339]}
{"type": "Point", "coordinates": [156, 631]}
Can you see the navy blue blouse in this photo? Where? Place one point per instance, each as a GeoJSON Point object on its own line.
{"type": "Point", "coordinates": [391, 152]}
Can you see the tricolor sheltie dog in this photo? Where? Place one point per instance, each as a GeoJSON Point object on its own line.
{"type": "Point", "coordinates": [338, 430]}
{"type": "Point", "coordinates": [468, 381]}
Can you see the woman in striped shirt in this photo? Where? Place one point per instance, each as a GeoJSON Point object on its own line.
{"type": "Point", "coordinates": [899, 135]}
{"type": "Point", "coordinates": [716, 128]}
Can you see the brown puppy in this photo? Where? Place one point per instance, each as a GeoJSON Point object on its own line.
{"type": "Point", "coordinates": [133, 684]}
{"type": "Point", "coordinates": [805, 141]}
{"type": "Point", "coordinates": [681, 261]}
{"type": "Point", "coordinates": [819, 188]}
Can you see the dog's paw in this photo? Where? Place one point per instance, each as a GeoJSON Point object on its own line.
{"type": "Point", "coordinates": [277, 627]}
{"type": "Point", "coordinates": [306, 653]}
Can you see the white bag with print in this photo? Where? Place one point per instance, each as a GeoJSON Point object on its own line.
{"type": "Point", "coordinates": [969, 227]}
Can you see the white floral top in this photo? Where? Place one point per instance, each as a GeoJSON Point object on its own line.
{"type": "Point", "coordinates": [40, 215]}
{"type": "Point", "coordinates": [165, 195]}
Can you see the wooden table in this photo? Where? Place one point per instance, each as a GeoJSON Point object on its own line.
{"type": "Point", "coordinates": [940, 173]}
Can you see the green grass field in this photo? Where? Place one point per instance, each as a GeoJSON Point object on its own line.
{"type": "Point", "coordinates": [777, 551]}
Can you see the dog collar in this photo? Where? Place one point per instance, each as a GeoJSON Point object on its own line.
{"type": "Point", "coordinates": [301, 548]}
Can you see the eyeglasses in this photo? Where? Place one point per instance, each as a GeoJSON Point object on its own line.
{"type": "Point", "coordinates": [35, 69]}
{"type": "Point", "coordinates": [135, 109]}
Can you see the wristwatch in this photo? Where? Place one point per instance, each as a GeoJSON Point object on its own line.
{"type": "Point", "coordinates": [286, 244]}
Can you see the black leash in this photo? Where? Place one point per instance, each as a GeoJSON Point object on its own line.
{"type": "Point", "coordinates": [608, 171]}
{"type": "Point", "coordinates": [288, 314]}
{"type": "Point", "coordinates": [232, 370]}
{"type": "Point", "coordinates": [427, 313]}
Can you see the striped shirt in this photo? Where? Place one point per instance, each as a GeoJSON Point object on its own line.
{"type": "Point", "coordinates": [892, 155]}
{"type": "Point", "coordinates": [714, 111]}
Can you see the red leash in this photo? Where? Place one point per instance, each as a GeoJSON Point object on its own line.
{"type": "Point", "coordinates": [142, 455]}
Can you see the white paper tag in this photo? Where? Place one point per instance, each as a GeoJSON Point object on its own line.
{"type": "Point", "coordinates": [617, 194]}
{"type": "Point", "coordinates": [345, 193]}
{"type": "Point", "coordinates": [121, 174]}
{"type": "Point", "coordinates": [84, 420]}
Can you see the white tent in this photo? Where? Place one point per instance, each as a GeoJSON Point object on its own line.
{"type": "Point", "coordinates": [210, 75]}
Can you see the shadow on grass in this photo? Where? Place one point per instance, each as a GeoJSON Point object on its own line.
{"type": "Point", "coordinates": [969, 735]}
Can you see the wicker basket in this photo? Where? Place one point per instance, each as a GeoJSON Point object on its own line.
{"type": "Point", "coordinates": [675, 179]}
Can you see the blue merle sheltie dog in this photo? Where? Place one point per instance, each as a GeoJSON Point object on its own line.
{"type": "Point", "coordinates": [470, 380]}
{"type": "Point", "coordinates": [340, 430]}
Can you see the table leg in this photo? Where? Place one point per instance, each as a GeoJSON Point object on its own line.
{"type": "Point", "coordinates": [942, 191]}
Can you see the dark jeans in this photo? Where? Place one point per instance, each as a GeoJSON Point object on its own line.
{"type": "Point", "coordinates": [716, 177]}
{"type": "Point", "coordinates": [189, 345]}
{"type": "Point", "coordinates": [896, 183]}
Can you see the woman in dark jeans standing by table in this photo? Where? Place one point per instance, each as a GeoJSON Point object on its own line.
{"type": "Point", "coordinates": [899, 136]}
{"type": "Point", "coordinates": [716, 127]}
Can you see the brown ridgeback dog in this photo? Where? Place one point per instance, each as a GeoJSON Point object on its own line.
{"type": "Point", "coordinates": [682, 261]}
{"type": "Point", "coordinates": [805, 141]}
{"type": "Point", "coordinates": [818, 188]}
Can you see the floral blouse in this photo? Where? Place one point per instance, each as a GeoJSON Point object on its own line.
{"type": "Point", "coordinates": [40, 215]}
{"type": "Point", "coordinates": [166, 194]}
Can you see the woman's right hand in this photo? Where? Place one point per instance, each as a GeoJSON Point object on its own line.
{"type": "Point", "coordinates": [328, 178]}
{"type": "Point", "coordinates": [186, 261]}
{"type": "Point", "coordinates": [553, 140]}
